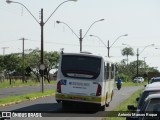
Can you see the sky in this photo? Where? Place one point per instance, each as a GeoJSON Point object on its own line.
{"type": "Point", "coordinates": [140, 19]}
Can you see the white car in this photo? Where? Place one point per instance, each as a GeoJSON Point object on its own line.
{"type": "Point", "coordinates": [150, 109]}
{"type": "Point", "coordinates": [149, 89]}
{"type": "Point", "coordinates": [155, 79]}
{"type": "Point", "coordinates": [138, 79]}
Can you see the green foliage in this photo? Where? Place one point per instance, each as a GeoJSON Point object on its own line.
{"type": "Point", "coordinates": [19, 83]}
{"type": "Point", "coordinates": [51, 60]}
{"type": "Point", "coordinates": [130, 101]}
{"type": "Point", "coordinates": [134, 84]}
{"type": "Point", "coordinates": [127, 51]}
{"type": "Point", "coordinates": [10, 62]}
{"type": "Point", "coordinates": [14, 62]}
{"type": "Point", "coordinates": [2, 65]}
{"type": "Point", "coordinates": [123, 106]}
{"type": "Point", "coordinates": [129, 71]}
{"type": "Point", "coordinates": [124, 77]}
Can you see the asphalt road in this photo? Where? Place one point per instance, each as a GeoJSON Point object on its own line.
{"type": "Point", "coordinates": [48, 104]}
{"type": "Point", "coordinates": [4, 92]}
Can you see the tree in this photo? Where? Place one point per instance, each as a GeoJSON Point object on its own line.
{"type": "Point", "coordinates": [2, 65]}
{"type": "Point", "coordinates": [11, 63]}
{"type": "Point", "coordinates": [33, 60]}
{"type": "Point", "coordinates": [51, 60]}
{"type": "Point", "coordinates": [130, 71]}
{"type": "Point", "coordinates": [127, 51]}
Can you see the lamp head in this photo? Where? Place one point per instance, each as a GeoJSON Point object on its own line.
{"type": "Point", "coordinates": [125, 35]}
{"type": "Point", "coordinates": [58, 22]}
{"type": "Point", "coordinates": [101, 19]}
{"type": "Point", "coordinates": [91, 35]}
{"type": "Point", "coordinates": [8, 1]}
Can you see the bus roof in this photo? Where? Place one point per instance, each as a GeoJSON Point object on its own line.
{"type": "Point", "coordinates": [83, 54]}
{"type": "Point", "coordinates": [90, 54]}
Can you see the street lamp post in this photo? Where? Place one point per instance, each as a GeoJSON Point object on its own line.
{"type": "Point", "coordinates": [114, 42]}
{"type": "Point", "coordinates": [99, 40]}
{"type": "Point", "coordinates": [138, 56]}
{"type": "Point", "coordinates": [41, 23]}
{"type": "Point", "coordinates": [146, 47]}
{"type": "Point", "coordinates": [137, 61]}
{"type": "Point", "coordinates": [157, 48]}
{"type": "Point", "coordinates": [144, 61]}
{"type": "Point", "coordinates": [108, 47]}
{"type": "Point", "coordinates": [80, 37]}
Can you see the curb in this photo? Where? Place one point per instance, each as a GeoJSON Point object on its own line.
{"type": "Point", "coordinates": [30, 99]}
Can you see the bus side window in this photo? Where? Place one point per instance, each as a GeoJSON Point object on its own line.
{"type": "Point", "coordinates": [108, 70]}
{"type": "Point", "coordinates": [112, 71]}
{"type": "Point", "coordinates": [105, 71]}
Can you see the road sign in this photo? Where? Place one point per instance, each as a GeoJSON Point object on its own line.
{"type": "Point", "coordinates": [42, 67]}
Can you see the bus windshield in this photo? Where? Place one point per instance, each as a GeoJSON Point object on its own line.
{"type": "Point", "coordinates": [80, 66]}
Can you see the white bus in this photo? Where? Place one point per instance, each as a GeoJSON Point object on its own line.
{"type": "Point", "coordinates": [85, 78]}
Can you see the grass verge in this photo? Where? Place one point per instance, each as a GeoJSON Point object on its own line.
{"type": "Point", "coordinates": [19, 83]}
{"type": "Point", "coordinates": [123, 106]}
{"type": "Point", "coordinates": [16, 99]}
{"type": "Point", "coordinates": [134, 84]}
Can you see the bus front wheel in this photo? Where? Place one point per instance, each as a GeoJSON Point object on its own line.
{"type": "Point", "coordinates": [107, 104]}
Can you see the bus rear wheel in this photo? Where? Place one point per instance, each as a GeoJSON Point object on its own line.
{"type": "Point", "coordinates": [102, 108]}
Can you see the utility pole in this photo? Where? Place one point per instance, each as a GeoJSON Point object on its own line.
{"type": "Point", "coordinates": [144, 64]}
{"type": "Point", "coordinates": [141, 53]}
{"type": "Point", "coordinates": [137, 60]}
{"type": "Point", "coordinates": [108, 48]}
{"type": "Point", "coordinates": [4, 48]}
{"type": "Point", "coordinates": [23, 72]}
{"type": "Point", "coordinates": [41, 23]}
{"type": "Point", "coordinates": [144, 61]}
{"type": "Point", "coordinates": [80, 39]}
{"type": "Point", "coordinates": [42, 49]}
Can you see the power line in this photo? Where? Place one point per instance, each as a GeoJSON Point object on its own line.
{"type": "Point", "coordinates": [57, 43]}
{"type": "Point", "coordinates": [53, 43]}
{"type": "Point", "coordinates": [7, 41]}
{"type": "Point", "coordinates": [49, 42]}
